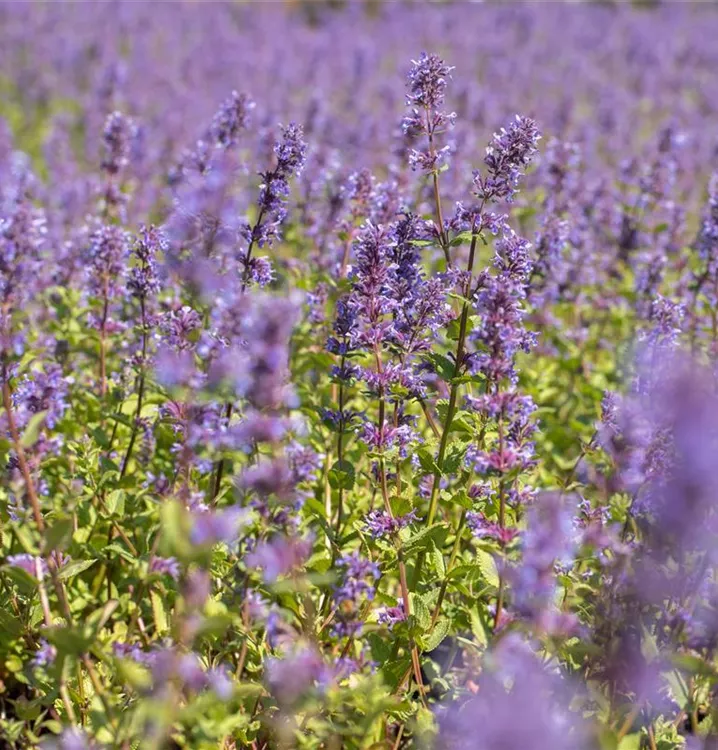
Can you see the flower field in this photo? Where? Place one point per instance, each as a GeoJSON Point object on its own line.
{"type": "Point", "coordinates": [359, 370]}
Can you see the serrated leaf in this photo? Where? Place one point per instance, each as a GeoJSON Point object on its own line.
{"type": "Point", "coordinates": [437, 635]}
{"type": "Point", "coordinates": [342, 475]}
{"type": "Point", "coordinates": [461, 499]}
{"type": "Point", "coordinates": [74, 568]}
{"type": "Point", "coordinates": [437, 560]}
{"type": "Point", "coordinates": [453, 460]}
{"type": "Point", "coordinates": [422, 540]}
{"type": "Point", "coordinates": [400, 505]}
{"type": "Point", "coordinates": [427, 461]}
{"type": "Point", "coordinates": [487, 564]}
{"type": "Point", "coordinates": [421, 612]}
{"type": "Point", "coordinates": [443, 366]}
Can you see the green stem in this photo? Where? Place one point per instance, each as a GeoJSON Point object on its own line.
{"type": "Point", "coordinates": [453, 397]}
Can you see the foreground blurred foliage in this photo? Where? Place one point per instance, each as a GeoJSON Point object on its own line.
{"type": "Point", "coordinates": [342, 407]}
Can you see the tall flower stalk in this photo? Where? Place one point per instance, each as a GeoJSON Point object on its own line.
{"type": "Point", "coordinates": [509, 153]}
{"type": "Point", "coordinates": [426, 85]}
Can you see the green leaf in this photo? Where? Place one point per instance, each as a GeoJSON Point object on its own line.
{"type": "Point", "coordinates": [487, 564]}
{"type": "Point", "coordinates": [116, 549]}
{"type": "Point", "coordinates": [380, 647]}
{"type": "Point", "coordinates": [695, 665]}
{"type": "Point", "coordinates": [461, 499]}
{"type": "Point", "coordinates": [74, 568]}
{"type": "Point", "coordinates": [25, 537]}
{"type": "Point", "coordinates": [68, 641]}
{"type": "Point", "coordinates": [21, 577]}
{"type": "Point", "coordinates": [421, 612]}
{"type": "Point", "coordinates": [32, 430]}
{"type": "Point", "coordinates": [14, 664]}
{"type": "Point", "coordinates": [630, 742]}
{"type": "Point", "coordinates": [400, 505]}
{"type": "Point", "coordinates": [175, 531]}
{"type": "Point", "coordinates": [422, 540]}
{"type": "Point", "coordinates": [98, 619]}
{"type": "Point", "coordinates": [115, 503]}
{"type": "Point", "coordinates": [453, 460]}
{"type": "Point", "coordinates": [443, 366]}
{"type": "Point", "coordinates": [132, 673]}
{"type": "Point", "coordinates": [159, 613]}
{"type": "Point", "coordinates": [437, 635]}
{"type": "Point", "coordinates": [342, 476]}
{"type": "Point", "coordinates": [478, 627]}
{"type": "Point", "coordinates": [9, 625]}
{"type": "Point", "coordinates": [427, 461]}
{"type": "Point", "coordinates": [59, 535]}
{"type": "Point", "coordinates": [437, 559]}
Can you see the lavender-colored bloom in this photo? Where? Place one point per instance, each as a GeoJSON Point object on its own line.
{"type": "Point", "coordinates": [499, 301]}
{"type": "Point", "coordinates": [345, 340]}
{"type": "Point", "coordinates": [45, 391]}
{"type": "Point", "coordinates": [379, 523]}
{"type": "Point", "coordinates": [270, 477]}
{"type": "Point", "coordinates": [165, 566]}
{"type": "Point", "coordinates": [304, 461]}
{"type": "Point", "coordinates": [427, 81]}
{"type": "Point", "coordinates": [510, 152]}
{"type": "Point", "coordinates": [131, 651]}
{"type": "Point", "coordinates": [370, 298]}
{"type": "Point", "coordinates": [357, 585]}
{"type": "Point", "coordinates": [391, 616]}
{"type": "Point", "coordinates": [531, 712]}
{"type": "Point", "coordinates": [117, 136]}
{"type": "Point", "coordinates": [231, 119]}
{"type": "Point", "coordinates": [71, 738]}
{"type": "Point", "coordinates": [22, 237]}
{"type": "Point", "coordinates": [482, 528]}
{"type": "Point", "coordinates": [426, 85]}
{"type": "Point", "coordinates": [290, 152]}
{"type": "Point", "coordinates": [211, 527]}
{"type": "Point", "coordinates": [250, 348]}
{"type": "Point", "coordinates": [293, 676]}
{"type": "Point", "coordinates": [35, 566]}
{"type": "Point", "coordinates": [143, 279]}
{"type": "Point", "coordinates": [106, 256]}
{"type": "Point", "coordinates": [549, 540]}
{"type": "Point", "coordinates": [190, 671]}
{"type": "Point", "coordinates": [279, 556]}
{"type": "Point", "coordinates": [45, 654]}
{"type": "Point", "coordinates": [220, 682]}
{"type": "Point", "coordinates": [177, 327]}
